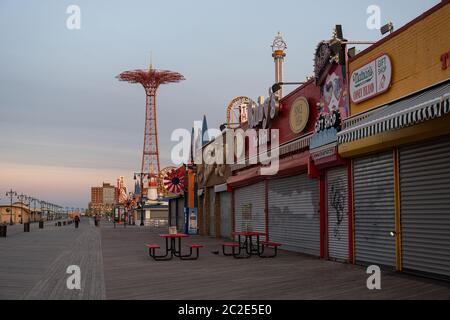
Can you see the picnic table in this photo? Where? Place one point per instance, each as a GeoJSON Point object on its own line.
{"type": "Point", "coordinates": [171, 249]}
{"type": "Point", "coordinates": [248, 244]}
{"type": "Point", "coordinates": [249, 247]}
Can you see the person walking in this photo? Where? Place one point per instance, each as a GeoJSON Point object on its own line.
{"type": "Point", "coordinates": [97, 220]}
{"type": "Point", "coordinates": [77, 221]}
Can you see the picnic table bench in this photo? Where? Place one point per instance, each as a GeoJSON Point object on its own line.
{"type": "Point", "coordinates": [171, 249]}
{"type": "Point", "coordinates": [248, 247]}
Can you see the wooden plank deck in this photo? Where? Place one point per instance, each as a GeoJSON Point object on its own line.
{"type": "Point", "coordinates": [33, 265]}
{"type": "Point", "coordinates": [131, 274]}
{"type": "Point", "coordinates": [115, 265]}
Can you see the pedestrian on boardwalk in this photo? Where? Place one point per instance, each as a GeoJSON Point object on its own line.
{"type": "Point", "coordinates": [77, 221]}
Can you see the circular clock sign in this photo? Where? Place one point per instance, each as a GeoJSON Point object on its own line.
{"type": "Point", "coordinates": [299, 115]}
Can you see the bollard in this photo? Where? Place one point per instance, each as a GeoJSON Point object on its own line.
{"type": "Point", "coordinates": [3, 230]}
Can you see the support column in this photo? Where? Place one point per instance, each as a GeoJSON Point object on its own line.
{"type": "Point", "coordinates": [397, 198]}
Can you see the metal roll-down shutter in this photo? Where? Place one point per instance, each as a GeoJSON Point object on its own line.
{"type": "Point", "coordinates": [337, 213]}
{"type": "Point", "coordinates": [294, 218]}
{"type": "Point", "coordinates": [425, 207]}
{"type": "Point", "coordinates": [173, 212]}
{"type": "Point", "coordinates": [250, 208]}
{"type": "Point", "coordinates": [212, 205]}
{"type": "Point", "coordinates": [374, 209]}
{"type": "Point", "coordinates": [181, 220]}
{"type": "Point", "coordinates": [225, 215]}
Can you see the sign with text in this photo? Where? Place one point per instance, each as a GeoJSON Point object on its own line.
{"type": "Point", "coordinates": [371, 80]}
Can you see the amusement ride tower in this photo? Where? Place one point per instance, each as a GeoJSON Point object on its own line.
{"type": "Point", "coordinates": [151, 79]}
{"type": "Point", "coordinates": [278, 54]}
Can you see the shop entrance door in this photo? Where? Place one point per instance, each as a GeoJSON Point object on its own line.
{"type": "Point", "coordinates": [337, 213]}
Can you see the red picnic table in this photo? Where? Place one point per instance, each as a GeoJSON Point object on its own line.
{"type": "Point", "coordinates": [171, 248]}
{"type": "Point", "coordinates": [248, 245]}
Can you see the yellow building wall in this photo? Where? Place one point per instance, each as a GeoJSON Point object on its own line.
{"type": "Point", "coordinates": [416, 59]}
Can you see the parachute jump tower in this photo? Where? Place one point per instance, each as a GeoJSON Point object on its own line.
{"type": "Point", "coordinates": [151, 79]}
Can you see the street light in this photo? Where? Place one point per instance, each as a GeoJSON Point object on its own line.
{"type": "Point", "coordinates": [22, 198]}
{"type": "Point", "coordinates": [387, 28]}
{"type": "Point", "coordinates": [142, 176]}
{"type": "Point", "coordinates": [42, 203]}
{"type": "Point", "coordinates": [30, 200]}
{"type": "Point", "coordinates": [11, 194]}
{"type": "Point", "coordinates": [277, 86]}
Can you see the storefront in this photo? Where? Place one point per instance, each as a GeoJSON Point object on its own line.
{"type": "Point", "coordinates": [330, 170]}
{"type": "Point", "coordinates": [215, 215]}
{"type": "Point", "coordinates": [285, 204]}
{"type": "Point", "coordinates": [177, 216]}
{"type": "Point", "coordinates": [398, 140]}
{"type": "Point", "coordinates": [17, 213]}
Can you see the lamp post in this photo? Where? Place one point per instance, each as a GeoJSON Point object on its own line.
{"type": "Point", "coordinates": [22, 198]}
{"type": "Point", "coordinates": [141, 176]}
{"type": "Point", "coordinates": [42, 203]}
{"type": "Point", "coordinates": [47, 211]}
{"type": "Point", "coordinates": [34, 200]}
{"type": "Point", "coordinates": [277, 86]}
{"type": "Point", "coordinates": [30, 200]}
{"type": "Point", "coordinates": [11, 194]}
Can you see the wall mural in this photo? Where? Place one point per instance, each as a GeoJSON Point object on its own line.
{"type": "Point", "coordinates": [333, 107]}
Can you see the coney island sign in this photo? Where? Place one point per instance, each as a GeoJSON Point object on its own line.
{"type": "Point", "coordinates": [371, 80]}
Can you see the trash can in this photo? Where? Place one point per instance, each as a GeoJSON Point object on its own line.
{"type": "Point", "coordinates": [41, 224]}
{"type": "Point", "coordinates": [59, 224]}
{"type": "Point", "coordinates": [26, 227]}
{"type": "Point", "coordinates": [3, 229]}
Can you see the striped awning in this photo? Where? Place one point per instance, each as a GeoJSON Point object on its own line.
{"type": "Point", "coordinates": [431, 104]}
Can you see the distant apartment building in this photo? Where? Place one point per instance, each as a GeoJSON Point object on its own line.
{"type": "Point", "coordinates": [97, 195]}
{"type": "Point", "coordinates": [109, 194]}
{"type": "Point", "coordinates": [103, 199]}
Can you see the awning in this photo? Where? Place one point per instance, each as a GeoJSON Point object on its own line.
{"type": "Point", "coordinates": [291, 165]}
{"type": "Point", "coordinates": [245, 178]}
{"type": "Point", "coordinates": [430, 104]}
{"type": "Point", "coordinates": [221, 188]}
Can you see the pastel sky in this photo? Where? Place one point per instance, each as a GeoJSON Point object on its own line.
{"type": "Point", "coordinates": [67, 124]}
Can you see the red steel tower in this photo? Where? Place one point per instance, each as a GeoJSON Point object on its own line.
{"type": "Point", "coordinates": [151, 79]}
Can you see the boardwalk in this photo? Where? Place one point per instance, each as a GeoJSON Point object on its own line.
{"type": "Point", "coordinates": [115, 265]}
{"type": "Point", "coordinates": [33, 265]}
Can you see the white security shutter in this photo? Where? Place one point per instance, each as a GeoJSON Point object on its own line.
{"type": "Point", "coordinates": [249, 208]}
{"type": "Point", "coordinates": [337, 209]}
{"type": "Point", "coordinates": [173, 212]}
{"type": "Point", "coordinates": [294, 218]}
{"type": "Point", "coordinates": [180, 222]}
{"type": "Point", "coordinates": [225, 215]}
{"type": "Point", "coordinates": [374, 209]}
{"type": "Point", "coordinates": [212, 220]}
{"type": "Point", "coordinates": [425, 207]}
